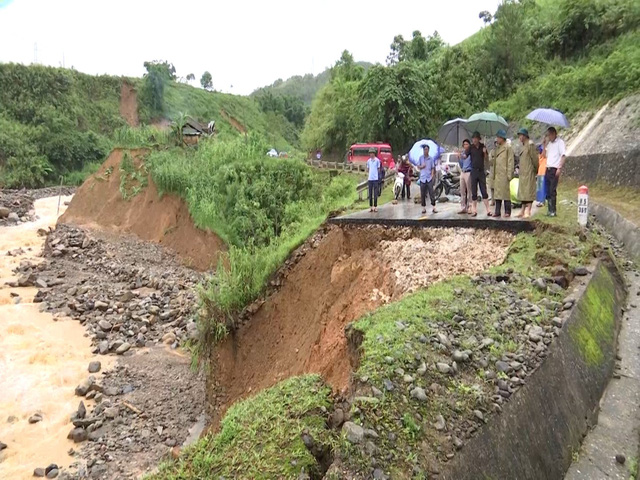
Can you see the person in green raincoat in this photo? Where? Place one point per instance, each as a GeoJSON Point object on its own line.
{"type": "Point", "coordinates": [528, 169]}
{"type": "Point", "coordinates": [502, 173]}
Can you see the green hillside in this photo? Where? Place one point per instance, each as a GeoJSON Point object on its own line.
{"type": "Point", "coordinates": [573, 55]}
{"type": "Point", "coordinates": [304, 87]}
{"type": "Point", "coordinates": [60, 122]}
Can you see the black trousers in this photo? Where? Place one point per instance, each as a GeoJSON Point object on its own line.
{"type": "Point", "coordinates": [373, 192]}
{"type": "Point", "coordinates": [424, 189]}
{"type": "Point", "coordinates": [507, 207]}
{"type": "Point", "coordinates": [408, 188]}
{"type": "Point", "coordinates": [478, 179]}
{"type": "Point", "coordinates": [551, 187]}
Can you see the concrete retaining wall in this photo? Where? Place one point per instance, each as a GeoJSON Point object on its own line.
{"type": "Point", "coordinates": [622, 229]}
{"type": "Point", "coordinates": [544, 422]}
{"type": "Point", "coordinates": [617, 169]}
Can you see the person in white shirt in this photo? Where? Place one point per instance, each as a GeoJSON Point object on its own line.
{"type": "Point", "coordinates": [554, 151]}
{"type": "Point", "coordinates": [373, 169]}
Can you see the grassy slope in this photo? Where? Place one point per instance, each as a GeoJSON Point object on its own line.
{"type": "Point", "coordinates": [209, 106]}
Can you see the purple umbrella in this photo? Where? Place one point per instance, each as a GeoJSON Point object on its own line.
{"type": "Point", "coordinates": [549, 116]}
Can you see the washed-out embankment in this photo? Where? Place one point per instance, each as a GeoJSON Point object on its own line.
{"type": "Point", "coordinates": [162, 219]}
{"type": "Point", "coordinates": [345, 272]}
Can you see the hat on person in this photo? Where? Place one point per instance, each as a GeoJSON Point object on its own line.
{"type": "Point", "coordinates": [502, 134]}
{"type": "Point", "coordinates": [372, 150]}
{"type": "Point", "coordinates": [476, 134]}
{"type": "Point", "coordinates": [523, 131]}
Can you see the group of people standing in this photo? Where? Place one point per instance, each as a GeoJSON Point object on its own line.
{"type": "Point", "coordinates": [501, 163]}
{"type": "Point", "coordinates": [539, 169]}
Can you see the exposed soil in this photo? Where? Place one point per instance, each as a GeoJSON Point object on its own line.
{"type": "Point", "coordinates": [349, 272]}
{"type": "Point", "coordinates": [234, 123]}
{"type": "Point", "coordinates": [129, 104]}
{"type": "Point", "coordinates": [165, 220]}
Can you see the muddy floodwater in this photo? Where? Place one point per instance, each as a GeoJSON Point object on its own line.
{"type": "Point", "coordinates": [42, 359]}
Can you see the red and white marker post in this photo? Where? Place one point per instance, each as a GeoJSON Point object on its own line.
{"type": "Point", "coordinates": [583, 205]}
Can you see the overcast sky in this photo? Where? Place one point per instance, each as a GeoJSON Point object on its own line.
{"type": "Point", "coordinates": [244, 44]}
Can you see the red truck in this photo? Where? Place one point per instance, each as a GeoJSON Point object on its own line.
{"type": "Point", "coordinates": [359, 153]}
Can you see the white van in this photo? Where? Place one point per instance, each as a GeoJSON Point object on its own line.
{"type": "Point", "coordinates": [449, 161]}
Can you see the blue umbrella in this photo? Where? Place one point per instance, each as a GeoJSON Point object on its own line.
{"type": "Point", "coordinates": [435, 150]}
{"type": "Point", "coordinates": [549, 116]}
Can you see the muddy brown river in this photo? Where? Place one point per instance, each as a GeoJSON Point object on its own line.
{"type": "Point", "coordinates": [42, 359]}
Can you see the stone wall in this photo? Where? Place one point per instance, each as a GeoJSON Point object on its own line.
{"type": "Point", "coordinates": [617, 169]}
{"type": "Point", "coordinates": [537, 431]}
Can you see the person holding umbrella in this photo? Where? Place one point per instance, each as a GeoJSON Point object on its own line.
{"type": "Point", "coordinates": [478, 153]}
{"type": "Point", "coordinates": [502, 173]}
{"type": "Point", "coordinates": [554, 150]}
{"type": "Point", "coordinates": [427, 168]}
{"type": "Point", "coordinates": [528, 168]}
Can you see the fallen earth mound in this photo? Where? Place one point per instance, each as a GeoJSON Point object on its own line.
{"type": "Point", "coordinates": [347, 273]}
{"type": "Point", "coordinates": [125, 199]}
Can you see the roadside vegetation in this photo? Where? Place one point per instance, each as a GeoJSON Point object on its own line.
{"type": "Point", "coordinates": [574, 55]}
{"type": "Point", "coordinates": [262, 208]}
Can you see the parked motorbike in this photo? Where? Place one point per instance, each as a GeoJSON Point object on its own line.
{"type": "Point", "coordinates": [397, 185]}
{"type": "Point", "coordinates": [449, 184]}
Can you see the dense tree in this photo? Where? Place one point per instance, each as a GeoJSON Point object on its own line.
{"type": "Point", "coordinates": [191, 77]}
{"type": "Point", "coordinates": [206, 81]}
{"type": "Point", "coordinates": [346, 68]}
{"type": "Point", "coordinates": [159, 73]}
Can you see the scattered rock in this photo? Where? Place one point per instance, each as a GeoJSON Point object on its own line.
{"type": "Point", "coordinates": [35, 418]}
{"type": "Point", "coordinates": [2, 446]}
{"type": "Point", "coordinates": [353, 432]}
{"type": "Point", "coordinates": [83, 388]}
{"type": "Point", "coordinates": [94, 367]}
{"type": "Point", "coordinates": [620, 458]}
{"type": "Point", "coordinates": [105, 325]}
{"type": "Point", "coordinates": [443, 367]}
{"type": "Point", "coordinates": [502, 366]}
{"type": "Point", "coordinates": [440, 423]}
{"type": "Point", "coordinates": [51, 468]}
{"type": "Point", "coordinates": [123, 348]}
{"type": "Point", "coordinates": [580, 271]}
{"type": "Point", "coordinates": [78, 435]}
{"type": "Point", "coordinates": [419, 394]}
{"type": "Point", "coordinates": [4, 212]}
{"type": "Point", "coordinates": [39, 472]}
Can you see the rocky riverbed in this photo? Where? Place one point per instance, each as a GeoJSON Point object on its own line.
{"type": "Point", "coordinates": [137, 303]}
{"type": "Point", "coordinates": [16, 206]}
